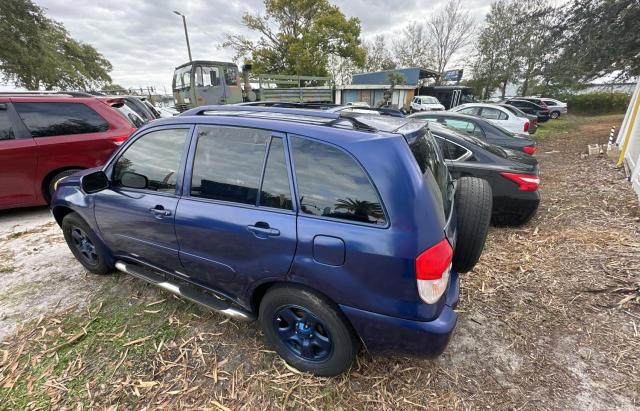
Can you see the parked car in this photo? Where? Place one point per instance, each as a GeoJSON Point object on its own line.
{"type": "Point", "coordinates": [426, 103]}
{"type": "Point", "coordinates": [119, 104]}
{"type": "Point", "coordinates": [533, 120]}
{"type": "Point", "coordinates": [556, 107]}
{"type": "Point", "coordinates": [513, 176]}
{"type": "Point", "coordinates": [45, 137]}
{"type": "Point", "coordinates": [385, 111]}
{"type": "Point", "coordinates": [167, 112]}
{"type": "Point", "coordinates": [528, 107]}
{"type": "Point", "coordinates": [289, 216]}
{"type": "Point", "coordinates": [139, 106]}
{"type": "Point", "coordinates": [495, 114]}
{"type": "Point", "coordinates": [481, 129]}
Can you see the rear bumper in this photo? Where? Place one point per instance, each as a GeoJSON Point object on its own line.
{"type": "Point", "coordinates": [383, 334]}
{"type": "Point", "coordinates": [523, 203]}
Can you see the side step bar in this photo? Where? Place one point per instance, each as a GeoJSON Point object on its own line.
{"type": "Point", "coordinates": [185, 291]}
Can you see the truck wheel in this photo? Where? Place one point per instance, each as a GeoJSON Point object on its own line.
{"type": "Point", "coordinates": [84, 244]}
{"type": "Point", "coordinates": [56, 178]}
{"type": "Point", "coordinates": [308, 331]}
{"type": "Point", "coordinates": [473, 203]}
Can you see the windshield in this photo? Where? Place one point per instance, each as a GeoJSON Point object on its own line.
{"type": "Point", "coordinates": [182, 78]}
{"type": "Point", "coordinates": [430, 100]}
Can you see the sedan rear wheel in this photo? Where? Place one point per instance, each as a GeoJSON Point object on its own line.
{"type": "Point", "coordinates": [555, 114]}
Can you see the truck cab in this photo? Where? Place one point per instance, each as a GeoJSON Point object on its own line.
{"type": "Point", "coordinates": [202, 82]}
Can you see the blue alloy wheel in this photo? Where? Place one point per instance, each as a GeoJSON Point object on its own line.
{"type": "Point", "coordinates": [84, 245]}
{"type": "Point", "coordinates": [302, 333]}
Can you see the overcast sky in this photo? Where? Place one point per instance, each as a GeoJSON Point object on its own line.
{"type": "Point", "coordinates": [144, 40]}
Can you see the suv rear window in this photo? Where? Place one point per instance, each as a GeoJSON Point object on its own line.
{"type": "Point", "coordinates": [332, 184]}
{"type": "Point", "coordinates": [56, 119]}
{"type": "Point", "coordinates": [429, 158]}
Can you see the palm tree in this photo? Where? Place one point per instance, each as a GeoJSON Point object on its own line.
{"type": "Point", "coordinates": [361, 208]}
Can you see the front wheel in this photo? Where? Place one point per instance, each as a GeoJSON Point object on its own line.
{"type": "Point", "coordinates": [555, 114]}
{"type": "Point", "coordinates": [84, 244]}
{"type": "Point", "coordinates": [308, 331]}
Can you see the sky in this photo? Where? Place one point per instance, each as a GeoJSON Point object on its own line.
{"type": "Point", "coordinates": [144, 39]}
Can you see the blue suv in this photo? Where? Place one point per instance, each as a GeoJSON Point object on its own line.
{"type": "Point", "coordinates": [331, 230]}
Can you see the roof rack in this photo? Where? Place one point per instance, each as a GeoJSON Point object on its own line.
{"type": "Point", "coordinates": [45, 93]}
{"type": "Point", "coordinates": [335, 117]}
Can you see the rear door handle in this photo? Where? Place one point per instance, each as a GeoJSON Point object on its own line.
{"type": "Point", "coordinates": [263, 230]}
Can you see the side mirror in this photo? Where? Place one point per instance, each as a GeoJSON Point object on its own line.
{"type": "Point", "coordinates": [94, 182]}
{"type": "Point", "coordinates": [134, 180]}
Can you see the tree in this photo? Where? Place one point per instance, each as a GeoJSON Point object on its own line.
{"type": "Point", "coordinates": [378, 55]}
{"type": "Point", "coordinates": [598, 38]}
{"type": "Point", "coordinates": [412, 47]}
{"type": "Point", "coordinates": [38, 52]}
{"type": "Point", "coordinates": [451, 29]}
{"type": "Point", "coordinates": [297, 37]}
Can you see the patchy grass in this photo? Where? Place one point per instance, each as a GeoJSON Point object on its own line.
{"type": "Point", "coordinates": [567, 124]}
{"type": "Point", "coordinates": [549, 319]}
{"type": "Point", "coordinates": [7, 269]}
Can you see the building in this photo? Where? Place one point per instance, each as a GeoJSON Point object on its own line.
{"type": "Point", "coordinates": [628, 141]}
{"type": "Point", "coordinates": [370, 87]}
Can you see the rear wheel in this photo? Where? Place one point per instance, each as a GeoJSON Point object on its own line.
{"type": "Point", "coordinates": [308, 331]}
{"type": "Point", "coordinates": [56, 178]}
{"type": "Point", "coordinates": [473, 201]}
{"type": "Point", "coordinates": [555, 114]}
{"type": "Point", "coordinates": [84, 244]}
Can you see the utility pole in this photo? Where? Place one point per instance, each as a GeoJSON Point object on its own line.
{"type": "Point", "coordinates": [186, 34]}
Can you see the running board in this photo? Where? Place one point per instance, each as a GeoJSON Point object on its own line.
{"type": "Point", "coordinates": [185, 291]}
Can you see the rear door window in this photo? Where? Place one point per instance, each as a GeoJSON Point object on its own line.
{"type": "Point", "coordinates": [452, 151]}
{"type": "Point", "coordinates": [228, 164]}
{"type": "Point", "coordinates": [275, 191]}
{"type": "Point", "coordinates": [491, 113]}
{"type": "Point", "coordinates": [473, 111]}
{"type": "Point", "coordinates": [6, 129]}
{"type": "Point", "coordinates": [331, 184]}
{"type": "Point", "coordinates": [56, 119]}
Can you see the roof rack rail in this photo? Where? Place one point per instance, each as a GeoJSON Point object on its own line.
{"type": "Point", "coordinates": [336, 117]}
{"type": "Point", "coordinates": [46, 93]}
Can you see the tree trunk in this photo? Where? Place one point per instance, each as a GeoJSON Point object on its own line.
{"type": "Point", "coordinates": [503, 89]}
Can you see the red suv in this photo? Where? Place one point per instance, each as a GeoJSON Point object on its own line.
{"type": "Point", "coordinates": [45, 137]}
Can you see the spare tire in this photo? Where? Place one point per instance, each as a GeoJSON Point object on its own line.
{"type": "Point", "coordinates": [473, 202]}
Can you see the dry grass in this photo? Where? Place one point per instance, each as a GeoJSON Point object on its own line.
{"type": "Point", "coordinates": [549, 319]}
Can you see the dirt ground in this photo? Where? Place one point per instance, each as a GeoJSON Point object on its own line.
{"type": "Point", "coordinates": [549, 319]}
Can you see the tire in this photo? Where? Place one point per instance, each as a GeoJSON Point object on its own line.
{"type": "Point", "coordinates": [52, 183]}
{"type": "Point", "coordinates": [331, 344]}
{"type": "Point", "coordinates": [473, 200]}
{"type": "Point", "coordinates": [555, 114]}
{"type": "Point", "coordinates": [85, 245]}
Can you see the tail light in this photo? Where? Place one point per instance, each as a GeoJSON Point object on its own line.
{"type": "Point", "coordinates": [525, 182]}
{"type": "Point", "coordinates": [119, 140]}
{"type": "Point", "coordinates": [529, 149]}
{"type": "Point", "coordinates": [526, 126]}
{"type": "Point", "coordinates": [433, 267]}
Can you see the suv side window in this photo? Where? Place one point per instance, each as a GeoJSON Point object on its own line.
{"type": "Point", "coordinates": [275, 191]}
{"type": "Point", "coordinates": [6, 130]}
{"type": "Point", "coordinates": [156, 156]}
{"type": "Point", "coordinates": [228, 163]}
{"type": "Point", "coordinates": [56, 119]}
{"type": "Point", "coordinates": [332, 184]}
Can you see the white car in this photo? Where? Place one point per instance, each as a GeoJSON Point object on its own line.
{"type": "Point", "coordinates": [495, 114]}
{"type": "Point", "coordinates": [426, 103]}
{"type": "Point", "coordinates": [556, 107]}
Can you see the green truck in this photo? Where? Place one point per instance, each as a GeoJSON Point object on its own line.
{"type": "Point", "coordinates": [202, 82]}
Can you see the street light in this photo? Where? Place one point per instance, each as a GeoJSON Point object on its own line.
{"type": "Point", "coordinates": [186, 34]}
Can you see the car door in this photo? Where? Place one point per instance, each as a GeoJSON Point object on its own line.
{"type": "Point", "coordinates": [18, 160]}
{"type": "Point", "coordinates": [236, 223]}
{"type": "Point", "coordinates": [137, 219]}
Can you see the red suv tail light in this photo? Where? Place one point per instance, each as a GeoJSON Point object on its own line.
{"type": "Point", "coordinates": [525, 182]}
{"type": "Point", "coordinates": [526, 126]}
{"type": "Point", "coordinates": [529, 149]}
{"type": "Point", "coordinates": [432, 271]}
{"type": "Point", "coordinates": [119, 140]}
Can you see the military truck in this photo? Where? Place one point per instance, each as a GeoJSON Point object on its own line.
{"type": "Point", "coordinates": [203, 82]}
